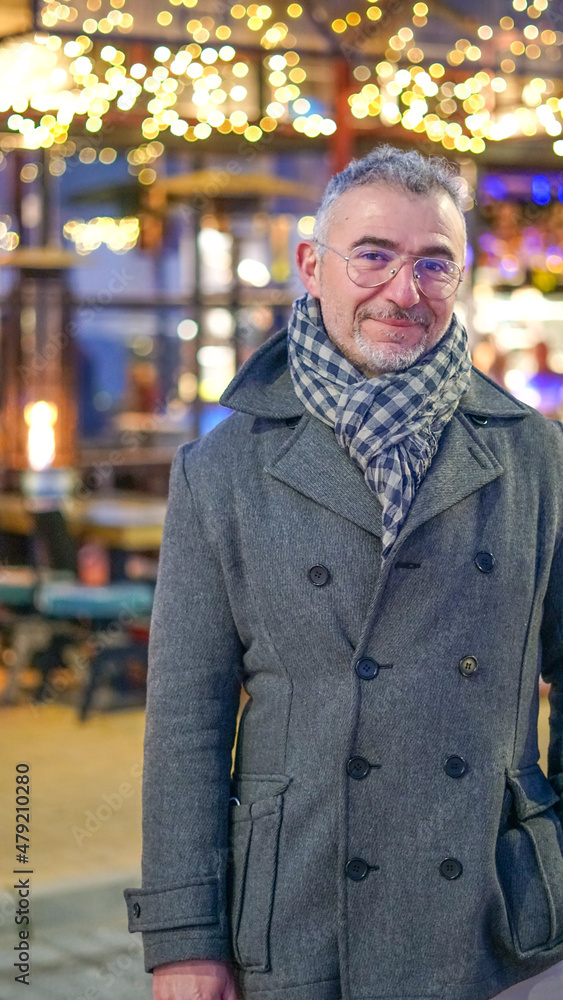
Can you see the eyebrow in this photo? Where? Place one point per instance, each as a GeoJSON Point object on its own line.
{"type": "Point", "coordinates": [434, 250]}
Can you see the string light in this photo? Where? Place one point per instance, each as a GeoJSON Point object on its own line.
{"type": "Point", "coordinates": [88, 78]}
{"type": "Point", "coordinates": [119, 235]}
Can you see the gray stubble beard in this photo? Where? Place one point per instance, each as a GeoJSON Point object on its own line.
{"type": "Point", "coordinates": [377, 360]}
{"type": "Point", "coordinates": [374, 359]}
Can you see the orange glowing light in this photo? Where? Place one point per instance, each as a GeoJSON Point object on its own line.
{"type": "Point", "coordinates": [40, 417]}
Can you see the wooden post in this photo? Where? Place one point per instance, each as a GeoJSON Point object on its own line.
{"type": "Point", "coordinates": [342, 141]}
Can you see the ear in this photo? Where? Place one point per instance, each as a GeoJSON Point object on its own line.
{"type": "Point", "coordinates": [308, 266]}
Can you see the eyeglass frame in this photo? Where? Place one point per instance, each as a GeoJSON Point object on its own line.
{"type": "Point", "coordinates": [403, 257]}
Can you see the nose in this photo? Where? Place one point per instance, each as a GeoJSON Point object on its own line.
{"type": "Point", "coordinates": [402, 288]}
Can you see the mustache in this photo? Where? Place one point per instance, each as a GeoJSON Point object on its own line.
{"type": "Point", "coordinates": [410, 315]}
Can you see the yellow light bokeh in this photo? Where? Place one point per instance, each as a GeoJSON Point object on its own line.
{"type": "Point", "coordinates": [253, 133]}
{"type": "Point", "coordinates": [205, 79]}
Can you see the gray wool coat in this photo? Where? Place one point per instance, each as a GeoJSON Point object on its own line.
{"type": "Point", "coordinates": [390, 835]}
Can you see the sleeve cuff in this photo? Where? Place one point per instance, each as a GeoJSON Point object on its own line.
{"type": "Point", "coordinates": [161, 947]}
{"type": "Point", "coordinates": [189, 905]}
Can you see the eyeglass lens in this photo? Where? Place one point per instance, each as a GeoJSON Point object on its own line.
{"type": "Point", "coordinates": [370, 266]}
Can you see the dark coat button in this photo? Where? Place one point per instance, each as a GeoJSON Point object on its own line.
{"type": "Point", "coordinates": [319, 575]}
{"type": "Point", "coordinates": [451, 868]}
{"type": "Point", "coordinates": [357, 869]}
{"type": "Point", "coordinates": [455, 766]}
{"type": "Point", "coordinates": [485, 561]}
{"type": "Point", "coordinates": [358, 767]}
{"type": "Point", "coordinates": [468, 665]}
{"type": "Point", "coordinates": [136, 910]}
{"type": "Point", "coordinates": [367, 669]}
{"type": "Point", "coordinates": [479, 419]}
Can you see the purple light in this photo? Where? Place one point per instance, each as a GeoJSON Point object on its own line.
{"type": "Point", "coordinates": [541, 189]}
{"type": "Point", "coordinates": [495, 187]}
{"type": "Point", "coordinates": [487, 242]}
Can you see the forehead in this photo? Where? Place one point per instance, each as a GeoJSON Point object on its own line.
{"type": "Point", "coordinates": [412, 221]}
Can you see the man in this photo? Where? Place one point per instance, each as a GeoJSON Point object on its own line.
{"type": "Point", "coordinates": [371, 544]}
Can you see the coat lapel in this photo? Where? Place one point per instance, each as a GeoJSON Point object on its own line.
{"type": "Point", "coordinates": [461, 465]}
{"type": "Point", "coordinates": [463, 462]}
{"type": "Point", "coordinates": [313, 463]}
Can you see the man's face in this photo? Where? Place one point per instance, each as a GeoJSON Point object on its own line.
{"type": "Point", "coordinates": [386, 328]}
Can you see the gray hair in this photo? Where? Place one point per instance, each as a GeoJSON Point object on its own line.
{"type": "Point", "coordinates": [405, 169]}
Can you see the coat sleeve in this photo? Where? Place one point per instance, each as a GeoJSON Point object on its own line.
{"type": "Point", "coordinates": [193, 690]}
{"type": "Point", "coordinates": [552, 672]}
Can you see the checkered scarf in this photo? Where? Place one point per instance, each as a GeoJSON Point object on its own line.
{"type": "Point", "coordinates": [390, 425]}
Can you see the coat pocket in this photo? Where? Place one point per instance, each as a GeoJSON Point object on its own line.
{"type": "Point", "coordinates": [254, 828]}
{"type": "Point", "coordinates": [529, 857]}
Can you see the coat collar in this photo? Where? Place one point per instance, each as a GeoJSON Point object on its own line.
{"type": "Point", "coordinates": [312, 462]}
{"type": "Point", "coordinates": [263, 387]}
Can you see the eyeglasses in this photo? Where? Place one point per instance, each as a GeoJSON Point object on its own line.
{"type": "Point", "coordinates": [369, 266]}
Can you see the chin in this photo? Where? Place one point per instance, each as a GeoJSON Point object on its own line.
{"type": "Point", "coordinates": [381, 359]}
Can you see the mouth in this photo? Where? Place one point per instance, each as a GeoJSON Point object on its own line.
{"type": "Point", "coordinates": [400, 323]}
{"type": "Point", "coordinates": [396, 328]}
